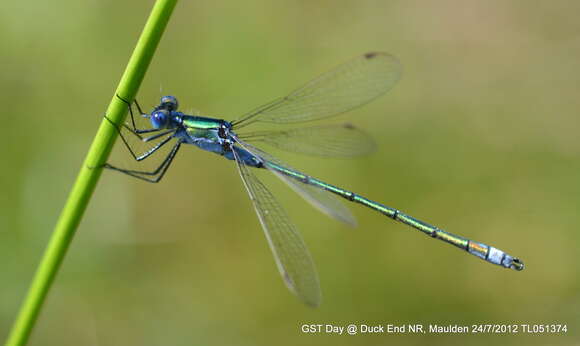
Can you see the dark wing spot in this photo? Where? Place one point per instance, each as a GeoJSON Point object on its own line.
{"type": "Point", "coordinates": [371, 55]}
{"type": "Point", "coordinates": [348, 126]}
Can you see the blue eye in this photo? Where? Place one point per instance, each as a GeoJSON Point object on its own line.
{"type": "Point", "coordinates": [159, 118]}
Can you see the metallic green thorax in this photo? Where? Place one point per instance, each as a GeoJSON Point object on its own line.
{"type": "Point", "coordinates": [202, 127]}
{"type": "Point", "coordinates": [485, 252]}
{"type": "Point", "coordinates": [196, 122]}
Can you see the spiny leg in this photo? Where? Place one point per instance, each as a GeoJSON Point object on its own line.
{"type": "Point", "coordinates": [157, 146]}
{"type": "Point", "coordinates": [135, 130]}
{"type": "Point", "coordinates": [144, 139]}
{"type": "Point", "coordinates": [156, 174]}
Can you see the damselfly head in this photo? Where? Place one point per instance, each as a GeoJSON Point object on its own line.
{"type": "Point", "coordinates": [160, 118]}
{"type": "Point", "coordinates": [169, 102]}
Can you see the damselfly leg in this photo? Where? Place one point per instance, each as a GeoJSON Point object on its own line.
{"type": "Point", "coordinates": [149, 152]}
{"type": "Point", "coordinates": [137, 132]}
{"type": "Point", "coordinates": [150, 176]}
{"type": "Point", "coordinates": [156, 174]}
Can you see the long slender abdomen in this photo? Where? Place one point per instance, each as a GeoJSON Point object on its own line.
{"type": "Point", "coordinates": [485, 252]}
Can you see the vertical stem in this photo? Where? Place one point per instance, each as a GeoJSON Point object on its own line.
{"type": "Point", "coordinates": [89, 174]}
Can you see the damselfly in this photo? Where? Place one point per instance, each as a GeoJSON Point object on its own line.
{"type": "Point", "coordinates": [344, 88]}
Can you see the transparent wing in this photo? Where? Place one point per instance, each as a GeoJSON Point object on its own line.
{"type": "Point", "coordinates": [320, 199]}
{"type": "Point", "coordinates": [339, 140]}
{"type": "Point", "coordinates": [346, 87]}
{"type": "Point", "coordinates": [290, 252]}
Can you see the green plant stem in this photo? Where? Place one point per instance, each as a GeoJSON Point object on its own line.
{"type": "Point", "coordinates": [90, 172]}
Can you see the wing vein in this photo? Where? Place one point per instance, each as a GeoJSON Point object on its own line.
{"type": "Point", "coordinates": [290, 253]}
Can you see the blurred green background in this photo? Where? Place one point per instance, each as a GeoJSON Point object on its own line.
{"type": "Point", "coordinates": [480, 137]}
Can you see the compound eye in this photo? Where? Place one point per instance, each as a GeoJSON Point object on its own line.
{"type": "Point", "coordinates": [169, 103]}
{"type": "Point", "coordinates": [159, 118]}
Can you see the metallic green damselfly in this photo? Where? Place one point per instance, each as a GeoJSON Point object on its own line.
{"type": "Point", "coordinates": [346, 87]}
